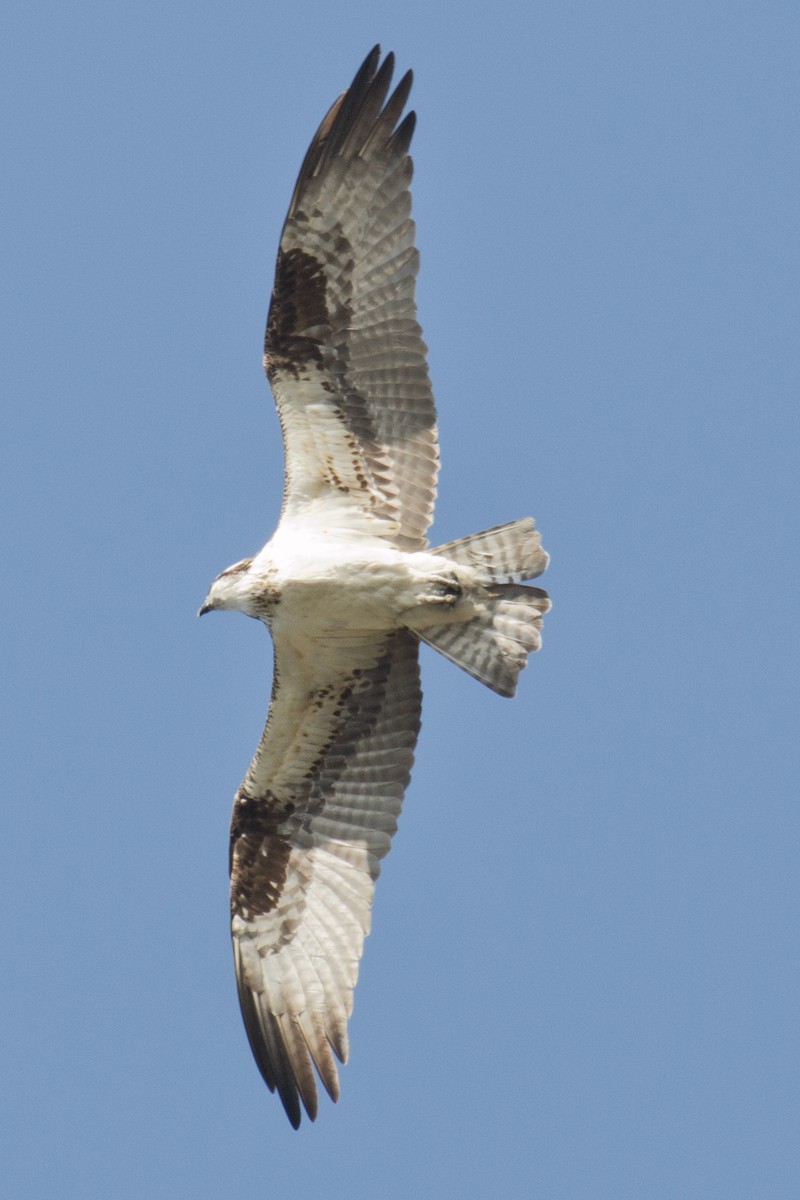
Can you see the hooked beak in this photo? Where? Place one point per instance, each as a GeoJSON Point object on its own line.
{"type": "Point", "coordinates": [204, 609]}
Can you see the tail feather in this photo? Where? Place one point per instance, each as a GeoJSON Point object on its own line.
{"type": "Point", "coordinates": [494, 645]}
{"type": "Point", "coordinates": [505, 554]}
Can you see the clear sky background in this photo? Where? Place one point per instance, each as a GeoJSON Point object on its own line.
{"type": "Point", "coordinates": [582, 980]}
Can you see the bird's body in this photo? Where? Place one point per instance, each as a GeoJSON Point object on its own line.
{"type": "Point", "coordinates": [323, 586]}
{"type": "Point", "coordinates": [348, 588]}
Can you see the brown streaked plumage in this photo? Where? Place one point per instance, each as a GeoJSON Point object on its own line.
{"type": "Point", "coordinates": [348, 589]}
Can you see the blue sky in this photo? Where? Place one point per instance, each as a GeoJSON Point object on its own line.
{"type": "Point", "coordinates": [583, 975]}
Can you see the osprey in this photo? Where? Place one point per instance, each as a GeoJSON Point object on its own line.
{"type": "Point", "coordinates": [348, 589]}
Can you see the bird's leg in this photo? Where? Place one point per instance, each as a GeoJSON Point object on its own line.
{"type": "Point", "coordinates": [441, 599]}
{"type": "Point", "coordinates": [442, 589]}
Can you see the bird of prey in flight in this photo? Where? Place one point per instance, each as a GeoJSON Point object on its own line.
{"type": "Point", "coordinates": [348, 588]}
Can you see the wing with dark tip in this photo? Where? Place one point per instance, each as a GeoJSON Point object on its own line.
{"type": "Point", "coordinates": [311, 821]}
{"type": "Point", "coordinates": [343, 349]}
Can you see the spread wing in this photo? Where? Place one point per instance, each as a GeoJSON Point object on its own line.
{"type": "Point", "coordinates": [343, 350]}
{"type": "Point", "coordinates": [311, 821]}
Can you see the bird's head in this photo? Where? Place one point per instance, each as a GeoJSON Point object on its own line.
{"type": "Point", "coordinates": [230, 590]}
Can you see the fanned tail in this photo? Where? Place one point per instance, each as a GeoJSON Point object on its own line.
{"type": "Point", "coordinates": [504, 554]}
{"type": "Point", "coordinates": [494, 645]}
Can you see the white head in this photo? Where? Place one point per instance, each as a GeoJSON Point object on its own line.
{"type": "Point", "coordinates": [232, 590]}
